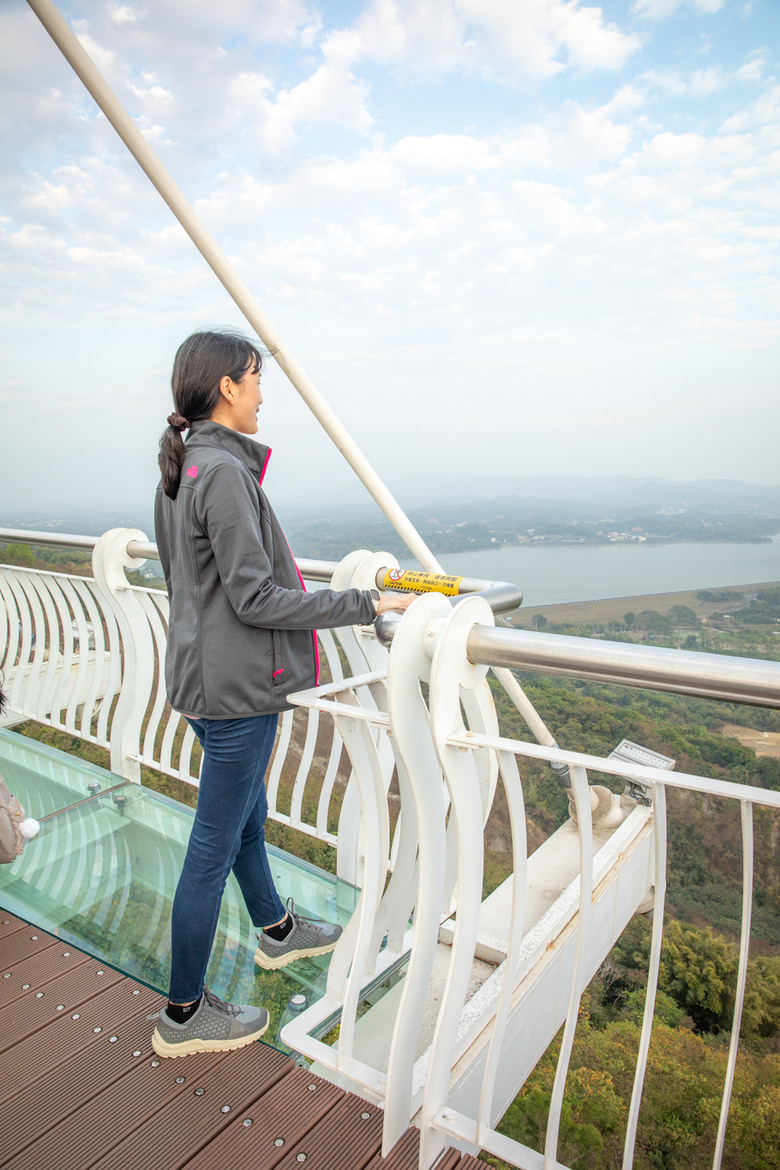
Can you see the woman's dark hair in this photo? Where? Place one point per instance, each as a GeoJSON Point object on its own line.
{"type": "Point", "coordinates": [201, 362]}
{"type": "Point", "coordinates": [2, 696]}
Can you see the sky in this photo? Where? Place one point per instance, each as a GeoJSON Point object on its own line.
{"type": "Point", "coordinates": [513, 237]}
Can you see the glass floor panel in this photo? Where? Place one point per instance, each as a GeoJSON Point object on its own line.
{"type": "Point", "coordinates": [102, 872]}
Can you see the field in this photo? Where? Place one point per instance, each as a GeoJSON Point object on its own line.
{"type": "Point", "coordinates": [613, 608]}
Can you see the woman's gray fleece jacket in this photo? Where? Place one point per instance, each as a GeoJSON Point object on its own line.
{"type": "Point", "coordinates": [240, 630]}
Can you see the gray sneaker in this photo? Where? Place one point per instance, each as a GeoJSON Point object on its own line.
{"type": "Point", "coordinates": [215, 1027]}
{"type": "Point", "coordinates": [308, 937]}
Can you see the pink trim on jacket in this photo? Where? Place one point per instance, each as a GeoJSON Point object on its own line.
{"type": "Point", "coordinates": [314, 632]}
{"type": "Point", "coordinates": [303, 587]}
{"type": "Point", "coordinates": [262, 473]}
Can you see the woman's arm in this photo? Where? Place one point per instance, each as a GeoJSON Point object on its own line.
{"type": "Point", "coordinates": [228, 509]}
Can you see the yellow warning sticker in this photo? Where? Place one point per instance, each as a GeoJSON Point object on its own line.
{"type": "Point", "coordinates": [414, 582]}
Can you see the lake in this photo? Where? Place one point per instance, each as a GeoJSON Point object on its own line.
{"type": "Point", "coordinates": [558, 573]}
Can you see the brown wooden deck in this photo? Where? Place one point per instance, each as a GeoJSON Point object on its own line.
{"type": "Point", "coordinates": [80, 1085]}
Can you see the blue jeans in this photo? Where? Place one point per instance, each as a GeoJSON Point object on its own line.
{"type": "Point", "coordinates": [227, 834]}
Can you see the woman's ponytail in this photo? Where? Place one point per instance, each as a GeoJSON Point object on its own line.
{"type": "Point", "coordinates": [171, 457]}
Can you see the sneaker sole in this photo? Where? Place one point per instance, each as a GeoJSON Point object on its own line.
{"type": "Point", "coordinates": [194, 1046]}
{"type": "Point", "coordinates": [274, 962]}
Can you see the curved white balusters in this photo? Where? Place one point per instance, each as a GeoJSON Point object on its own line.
{"type": "Point", "coordinates": [88, 656]}
{"type": "Point", "coordinates": [32, 658]}
{"type": "Point", "coordinates": [108, 651]}
{"type": "Point", "coordinates": [363, 652]}
{"type": "Point", "coordinates": [425, 818]}
{"type": "Point", "coordinates": [153, 734]}
{"type": "Point", "coordinates": [155, 606]}
{"type": "Point", "coordinates": [746, 812]}
{"type": "Point", "coordinates": [480, 712]}
{"type": "Point", "coordinates": [453, 676]}
{"type": "Point", "coordinates": [84, 645]}
{"type": "Point", "coordinates": [356, 951]}
{"type": "Point", "coordinates": [654, 963]}
{"type": "Point", "coordinates": [274, 776]}
{"type": "Point", "coordinates": [61, 657]}
{"type": "Point", "coordinates": [513, 791]}
{"type": "Point", "coordinates": [59, 641]}
{"type": "Point", "coordinates": [336, 753]}
{"type": "Point", "coordinates": [579, 783]}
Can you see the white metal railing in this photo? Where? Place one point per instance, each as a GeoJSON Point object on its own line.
{"type": "Point", "coordinates": [484, 1032]}
{"type": "Point", "coordinates": [60, 652]}
{"type": "Point", "coordinates": [86, 655]}
{"type": "Point", "coordinates": [486, 988]}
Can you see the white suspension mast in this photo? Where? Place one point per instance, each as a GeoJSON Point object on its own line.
{"type": "Point", "coordinates": [66, 41]}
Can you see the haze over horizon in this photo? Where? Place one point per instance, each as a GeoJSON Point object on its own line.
{"type": "Point", "coordinates": [504, 239]}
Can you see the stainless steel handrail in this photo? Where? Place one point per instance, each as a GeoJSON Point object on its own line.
{"type": "Point", "coordinates": [736, 680]}
{"type": "Point", "coordinates": [678, 672]}
{"type": "Point", "coordinates": [47, 539]}
{"type": "Point", "coordinates": [681, 672]}
{"type": "Point", "coordinates": [502, 596]}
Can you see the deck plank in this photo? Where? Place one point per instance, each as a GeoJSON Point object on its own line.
{"type": "Point", "coordinates": [349, 1135]}
{"type": "Point", "coordinates": [67, 994]}
{"type": "Point", "coordinates": [80, 1084]}
{"type": "Point", "coordinates": [34, 972]}
{"type": "Point", "coordinates": [9, 923]}
{"type": "Point", "coordinates": [86, 1064]}
{"type": "Point", "coordinates": [21, 943]}
{"type": "Point", "coordinates": [144, 1088]}
{"type": "Point", "coordinates": [65, 1039]}
{"type": "Point", "coordinates": [212, 1093]}
{"type": "Point", "coordinates": [263, 1133]}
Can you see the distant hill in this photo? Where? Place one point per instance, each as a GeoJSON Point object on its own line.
{"type": "Point", "coordinates": [542, 495]}
{"type": "Point", "coordinates": [613, 491]}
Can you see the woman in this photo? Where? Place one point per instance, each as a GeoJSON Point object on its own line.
{"type": "Point", "coordinates": [240, 640]}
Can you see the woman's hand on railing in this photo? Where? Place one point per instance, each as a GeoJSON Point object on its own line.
{"type": "Point", "coordinates": [396, 601]}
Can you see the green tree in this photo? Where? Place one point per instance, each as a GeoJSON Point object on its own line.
{"type": "Point", "coordinates": [699, 971]}
{"type": "Point", "coordinates": [18, 554]}
{"type": "Point", "coordinates": [579, 1141]}
{"type": "Point", "coordinates": [682, 615]}
{"type": "Point", "coordinates": [650, 619]}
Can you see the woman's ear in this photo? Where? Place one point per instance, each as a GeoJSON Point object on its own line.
{"type": "Point", "coordinates": [226, 387]}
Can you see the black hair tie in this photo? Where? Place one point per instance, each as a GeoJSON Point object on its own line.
{"type": "Point", "coordinates": [178, 422]}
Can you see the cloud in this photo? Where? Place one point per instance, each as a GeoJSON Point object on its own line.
{"type": "Point", "coordinates": [441, 153]}
{"type": "Point", "coordinates": [122, 14]}
{"type": "Point", "coordinates": [590, 43]}
{"type": "Point", "coordinates": [331, 96]}
{"type": "Point", "coordinates": [703, 83]}
{"type": "Point", "coordinates": [580, 138]}
{"type": "Point", "coordinates": [466, 250]}
{"type": "Point", "coordinates": [280, 21]}
{"type": "Point", "coordinates": [491, 39]}
{"type": "Point", "coordinates": [762, 115]}
{"type": "Point", "coordinates": [662, 9]}
{"type": "Point", "coordinates": [752, 71]}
